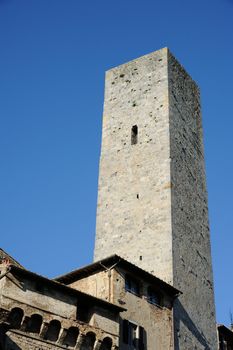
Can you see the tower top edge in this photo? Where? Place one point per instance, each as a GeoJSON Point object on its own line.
{"type": "Point", "coordinates": [163, 52]}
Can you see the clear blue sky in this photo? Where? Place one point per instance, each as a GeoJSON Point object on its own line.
{"type": "Point", "coordinates": [53, 55]}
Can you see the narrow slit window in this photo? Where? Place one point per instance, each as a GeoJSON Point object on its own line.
{"type": "Point", "coordinates": [134, 135]}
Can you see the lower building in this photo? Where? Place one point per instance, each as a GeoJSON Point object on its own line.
{"type": "Point", "coordinates": [110, 304]}
{"type": "Point", "coordinates": [147, 322]}
{"type": "Point", "coordinates": [39, 313]}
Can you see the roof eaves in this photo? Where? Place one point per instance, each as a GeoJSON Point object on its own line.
{"type": "Point", "coordinates": [66, 288]}
{"type": "Point", "coordinates": [87, 269]}
{"type": "Point", "coordinates": [114, 259]}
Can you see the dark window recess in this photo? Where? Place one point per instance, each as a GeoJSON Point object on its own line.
{"type": "Point", "coordinates": [88, 342]}
{"type": "Point", "coordinates": [71, 337]}
{"type": "Point", "coordinates": [132, 285]}
{"type": "Point", "coordinates": [133, 335]}
{"type": "Point", "coordinates": [225, 345]}
{"type": "Point", "coordinates": [83, 312]}
{"type": "Point", "coordinates": [15, 317]}
{"type": "Point", "coordinates": [53, 330]}
{"type": "Point", "coordinates": [153, 297]}
{"type": "Point", "coordinates": [125, 331]}
{"type": "Point", "coordinates": [142, 339]}
{"type": "Point", "coordinates": [34, 324]}
{"type": "Point", "coordinates": [134, 135]}
{"type": "Point", "coordinates": [106, 344]}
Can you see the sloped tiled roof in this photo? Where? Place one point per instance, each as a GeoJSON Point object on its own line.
{"type": "Point", "coordinates": [111, 261]}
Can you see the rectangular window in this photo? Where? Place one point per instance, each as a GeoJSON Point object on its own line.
{"type": "Point", "coordinates": [133, 335]}
{"type": "Point", "coordinates": [153, 297]}
{"type": "Point", "coordinates": [132, 285]}
{"type": "Point", "coordinates": [134, 135]}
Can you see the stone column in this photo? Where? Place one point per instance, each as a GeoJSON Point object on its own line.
{"type": "Point", "coordinates": [4, 314]}
{"type": "Point", "coordinates": [115, 347]}
{"type": "Point", "coordinates": [43, 329]}
{"type": "Point", "coordinates": [24, 323]}
{"type": "Point", "coordinates": [97, 344]}
{"type": "Point", "coordinates": [79, 342]}
{"type": "Point", "coordinates": [61, 336]}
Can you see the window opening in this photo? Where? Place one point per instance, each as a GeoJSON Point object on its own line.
{"type": "Point", "coordinates": [34, 324]}
{"type": "Point", "coordinates": [153, 297]}
{"type": "Point", "coordinates": [133, 335]}
{"type": "Point", "coordinates": [71, 337]}
{"type": "Point", "coordinates": [83, 312]}
{"type": "Point", "coordinates": [132, 285]}
{"type": "Point", "coordinates": [53, 330]}
{"type": "Point", "coordinates": [15, 317]}
{"type": "Point", "coordinates": [88, 342]}
{"type": "Point", "coordinates": [106, 344]}
{"type": "Point", "coordinates": [134, 135]}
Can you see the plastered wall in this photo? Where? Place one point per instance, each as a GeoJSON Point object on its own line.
{"type": "Point", "coordinates": [157, 321]}
{"type": "Point", "coordinates": [25, 291]}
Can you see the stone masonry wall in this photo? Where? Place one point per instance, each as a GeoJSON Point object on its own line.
{"type": "Point", "coordinates": [16, 340]}
{"type": "Point", "coordinates": [28, 319]}
{"type": "Point", "coordinates": [156, 320]}
{"type": "Point", "coordinates": [27, 292]}
{"type": "Point", "coordinates": [96, 285]}
{"type": "Point", "coordinates": [134, 197]}
{"type": "Point", "coordinates": [152, 202]}
{"type": "Point", "coordinates": [192, 269]}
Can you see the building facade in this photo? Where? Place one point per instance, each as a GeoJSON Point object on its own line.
{"type": "Point", "coordinates": [147, 322]}
{"type": "Point", "coordinates": [39, 313]}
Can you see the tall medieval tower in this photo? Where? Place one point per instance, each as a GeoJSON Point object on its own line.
{"type": "Point", "coordinates": [152, 200]}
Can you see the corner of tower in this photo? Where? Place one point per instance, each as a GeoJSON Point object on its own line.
{"type": "Point", "coordinates": [173, 61]}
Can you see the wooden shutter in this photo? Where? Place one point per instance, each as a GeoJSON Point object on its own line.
{"type": "Point", "coordinates": [125, 331]}
{"type": "Point", "coordinates": [141, 338]}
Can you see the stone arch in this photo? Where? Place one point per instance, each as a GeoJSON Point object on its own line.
{"type": "Point", "coordinates": [88, 342]}
{"type": "Point", "coordinates": [71, 337]}
{"type": "Point", "coordinates": [34, 323]}
{"type": "Point", "coordinates": [53, 330]}
{"type": "Point", "coordinates": [106, 344]}
{"type": "Point", "coordinates": [15, 317]}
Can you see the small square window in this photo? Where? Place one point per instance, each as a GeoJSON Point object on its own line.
{"type": "Point", "coordinates": [132, 285]}
{"type": "Point", "coordinates": [153, 297]}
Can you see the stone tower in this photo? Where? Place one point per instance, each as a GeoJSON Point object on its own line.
{"type": "Point", "coordinates": [152, 200]}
